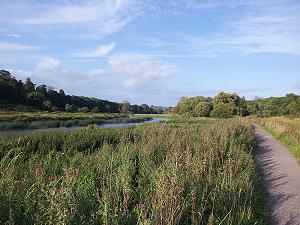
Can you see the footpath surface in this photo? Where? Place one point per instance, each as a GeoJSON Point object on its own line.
{"type": "Point", "coordinates": [281, 178]}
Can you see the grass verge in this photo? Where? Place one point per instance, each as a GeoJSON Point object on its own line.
{"type": "Point", "coordinates": [284, 129]}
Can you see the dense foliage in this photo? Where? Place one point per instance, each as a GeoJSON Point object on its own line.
{"type": "Point", "coordinates": [275, 106]}
{"type": "Point", "coordinates": [223, 105]}
{"type": "Point", "coordinates": [226, 105]}
{"type": "Point", "coordinates": [13, 92]}
{"type": "Point", "coordinates": [180, 172]}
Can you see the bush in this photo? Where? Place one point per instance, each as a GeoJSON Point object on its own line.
{"type": "Point", "coordinates": [84, 109]}
{"type": "Point", "coordinates": [69, 108]}
{"type": "Point", "coordinates": [95, 110]}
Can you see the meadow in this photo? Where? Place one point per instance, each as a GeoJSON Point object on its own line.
{"type": "Point", "coordinates": [286, 130]}
{"type": "Point", "coordinates": [184, 171]}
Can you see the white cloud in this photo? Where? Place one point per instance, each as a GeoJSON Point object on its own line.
{"type": "Point", "coordinates": [51, 71]}
{"type": "Point", "coordinates": [96, 72]}
{"type": "Point", "coordinates": [20, 74]}
{"type": "Point", "coordinates": [130, 83]}
{"type": "Point", "coordinates": [90, 18]}
{"type": "Point", "coordinates": [124, 75]}
{"type": "Point", "coordinates": [100, 51]}
{"type": "Point", "coordinates": [15, 47]}
{"type": "Point", "coordinates": [142, 66]}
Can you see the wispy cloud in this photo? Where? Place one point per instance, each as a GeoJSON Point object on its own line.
{"type": "Point", "coordinates": [99, 51]}
{"type": "Point", "coordinates": [85, 18]}
{"type": "Point", "coordinates": [16, 47]}
{"type": "Point", "coordinates": [259, 27]}
{"type": "Point", "coordinates": [139, 65]}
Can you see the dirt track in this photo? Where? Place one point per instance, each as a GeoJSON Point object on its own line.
{"type": "Point", "coordinates": [281, 178]}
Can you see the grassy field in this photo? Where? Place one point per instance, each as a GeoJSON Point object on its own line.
{"type": "Point", "coordinates": [11, 120]}
{"type": "Point", "coordinates": [286, 130]}
{"type": "Point", "coordinates": [184, 171]}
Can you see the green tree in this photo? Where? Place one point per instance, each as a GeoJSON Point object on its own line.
{"type": "Point", "coordinates": [36, 98]}
{"type": "Point", "coordinates": [29, 86]}
{"type": "Point", "coordinates": [69, 108]}
{"type": "Point", "coordinates": [202, 109]}
{"type": "Point", "coordinates": [42, 89]}
{"type": "Point", "coordinates": [84, 109]}
{"type": "Point", "coordinates": [47, 105]}
{"type": "Point", "coordinates": [126, 107]}
{"type": "Point", "coordinates": [223, 110]}
{"type": "Point", "coordinates": [95, 110]}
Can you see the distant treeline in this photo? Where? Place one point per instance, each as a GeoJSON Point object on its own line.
{"type": "Point", "coordinates": [226, 105]}
{"type": "Point", "coordinates": [14, 92]}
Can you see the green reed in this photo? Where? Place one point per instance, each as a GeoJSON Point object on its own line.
{"type": "Point", "coordinates": [185, 171]}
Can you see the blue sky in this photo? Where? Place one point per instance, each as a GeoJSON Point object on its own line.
{"type": "Point", "coordinates": [154, 52]}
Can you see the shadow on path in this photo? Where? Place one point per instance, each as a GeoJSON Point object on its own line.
{"type": "Point", "coordinates": [281, 178]}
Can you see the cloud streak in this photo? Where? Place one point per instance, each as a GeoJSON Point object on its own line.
{"type": "Point", "coordinates": [90, 18]}
{"type": "Point", "coordinates": [99, 51]}
{"type": "Point", "coordinates": [16, 47]}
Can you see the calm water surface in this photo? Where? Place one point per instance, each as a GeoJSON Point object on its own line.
{"type": "Point", "coordinates": [112, 123]}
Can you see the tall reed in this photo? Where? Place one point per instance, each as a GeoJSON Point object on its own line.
{"type": "Point", "coordinates": [185, 171]}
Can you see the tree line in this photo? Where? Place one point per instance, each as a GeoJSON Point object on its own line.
{"type": "Point", "coordinates": [226, 105]}
{"type": "Point", "coordinates": [43, 97]}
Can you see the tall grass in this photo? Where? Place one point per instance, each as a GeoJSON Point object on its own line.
{"type": "Point", "coordinates": [286, 130]}
{"type": "Point", "coordinates": [176, 172]}
{"type": "Point", "coordinates": [20, 124]}
{"type": "Point", "coordinates": [6, 116]}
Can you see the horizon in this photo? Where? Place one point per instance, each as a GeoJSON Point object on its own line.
{"type": "Point", "coordinates": [155, 53]}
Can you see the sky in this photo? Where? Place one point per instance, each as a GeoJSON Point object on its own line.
{"type": "Point", "coordinates": [154, 51]}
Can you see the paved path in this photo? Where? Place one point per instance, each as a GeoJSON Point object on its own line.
{"type": "Point", "coordinates": [281, 178]}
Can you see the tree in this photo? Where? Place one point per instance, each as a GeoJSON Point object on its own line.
{"type": "Point", "coordinates": [223, 110]}
{"type": "Point", "coordinates": [47, 105]}
{"type": "Point", "coordinates": [203, 109]}
{"type": "Point", "coordinates": [29, 86]}
{"type": "Point", "coordinates": [42, 89]}
{"type": "Point", "coordinates": [69, 108]}
{"type": "Point", "coordinates": [95, 110]}
{"type": "Point", "coordinates": [84, 109]}
{"type": "Point", "coordinates": [62, 93]}
{"type": "Point", "coordinates": [36, 98]}
{"type": "Point", "coordinates": [126, 107]}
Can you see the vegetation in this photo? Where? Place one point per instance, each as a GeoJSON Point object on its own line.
{"type": "Point", "coordinates": [15, 94]}
{"type": "Point", "coordinates": [275, 106]}
{"type": "Point", "coordinates": [18, 120]}
{"type": "Point", "coordinates": [226, 105]}
{"type": "Point", "coordinates": [185, 171]}
{"type": "Point", "coordinates": [223, 105]}
{"type": "Point", "coordinates": [286, 130]}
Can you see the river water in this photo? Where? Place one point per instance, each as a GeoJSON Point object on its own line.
{"type": "Point", "coordinates": [112, 123]}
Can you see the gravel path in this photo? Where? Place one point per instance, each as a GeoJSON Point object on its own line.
{"type": "Point", "coordinates": [281, 178]}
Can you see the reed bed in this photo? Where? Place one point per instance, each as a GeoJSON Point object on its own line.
{"type": "Point", "coordinates": [6, 116]}
{"type": "Point", "coordinates": [184, 171]}
{"type": "Point", "coordinates": [55, 121]}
